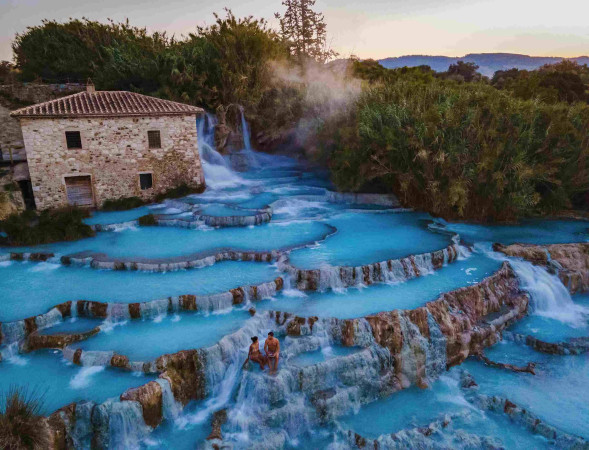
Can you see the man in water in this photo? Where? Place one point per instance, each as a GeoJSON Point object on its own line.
{"type": "Point", "coordinates": [255, 355]}
{"type": "Point", "coordinates": [272, 349]}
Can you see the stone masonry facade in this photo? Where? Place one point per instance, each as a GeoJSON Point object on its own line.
{"type": "Point", "coordinates": [114, 152]}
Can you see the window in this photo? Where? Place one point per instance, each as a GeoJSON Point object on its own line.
{"type": "Point", "coordinates": [146, 181]}
{"type": "Point", "coordinates": [73, 139]}
{"type": "Point", "coordinates": [154, 139]}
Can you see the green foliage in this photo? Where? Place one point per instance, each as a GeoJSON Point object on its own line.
{"type": "Point", "coordinates": [566, 81]}
{"type": "Point", "coordinates": [461, 151]}
{"type": "Point", "coordinates": [121, 204]}
{"type": "Point", "coordinates": [32, 228]}
{"type": "Point", "coordinates": [243, 47]}
{"type": "Point", "coordinates": [224, 63]}
{"type": "Point", "coordinates": [147, 220]}
{"type": "Point", "coordinates": [462, 71]}
{"type": "Point", "coordinates": [21, 423]}
{"type": "Point", "coordinates": [179, 191]}
{"type": "Point", "coordinates": [304, 31]}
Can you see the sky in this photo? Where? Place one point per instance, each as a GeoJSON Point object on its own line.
{"type": "Point", "coordinates": [368, 29]}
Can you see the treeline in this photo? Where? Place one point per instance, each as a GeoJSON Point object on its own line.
{"type": "Point", "coordinates": [460, 150]}
{"type": "Point", "coordinates": [222, 63]}
{"type": "Point", "coordinates": [456, 144]}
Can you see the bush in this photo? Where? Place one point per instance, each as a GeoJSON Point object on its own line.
{"type": "Point", "coordinates": [32, 228]}
{"type": "Point", "coordinates": [461, 151]}
{"type": "Point", "coordinates": [179, 191]}
{"type": "Point", "coordinates": [122, 204]}
{"type": "Point", "coordinates": [147, 220]}
{"type": "Point", "coordinates": [21, 423]}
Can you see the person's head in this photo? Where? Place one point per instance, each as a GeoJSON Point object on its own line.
{"type": "Point", "coordinates": [255, 339]}
{"type": "Point", "coordinates": [271, 334]}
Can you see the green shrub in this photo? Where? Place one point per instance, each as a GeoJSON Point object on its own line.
{"type": "Point", "coordinates": [460, 150]}
{"type": "Point", "coordinates": [147, 220]}
{"type": "Point", "coordinates": [121, 204]}
{"type": "Point", "coordinates": [21, 423]}
{"type": "Point", "coordinates": [33, 228]}
{"type": "Point", "coordinates": [179, 191]}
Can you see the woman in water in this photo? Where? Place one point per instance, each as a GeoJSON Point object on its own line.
{"type": "Point", "coordinates": [255, 355]}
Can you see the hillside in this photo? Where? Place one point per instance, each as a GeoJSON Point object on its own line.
{"type": "Point", "coordinates": [488, 63]}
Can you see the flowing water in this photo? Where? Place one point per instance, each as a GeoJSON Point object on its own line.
{"type": "Point", "coordinates": [324, 391]}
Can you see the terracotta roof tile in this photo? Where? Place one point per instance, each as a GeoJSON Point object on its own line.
{"type": "Point", "coordinates": [106, 103]}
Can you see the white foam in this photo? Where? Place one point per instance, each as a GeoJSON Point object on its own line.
{"type": "Point", "coordinates": [83, 378]}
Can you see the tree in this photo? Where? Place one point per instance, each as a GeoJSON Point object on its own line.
{"type": "Point", "coordinates": [304, 31]}
{"type": "Point", "coordinates": [465, 71]}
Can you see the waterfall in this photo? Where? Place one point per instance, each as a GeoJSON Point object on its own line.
{"type": "Point", "coordinates": [550, 298]}
{"type": "Point", "coordinates": [217, 174]}
{"type": "Point", "coordinates": [252, 160]}
{"type": "Point", "coordinates": [119, 425]}
{"type": "Point", "coordinates": [246, 131]}
{"type": "Point", "coordinates": [171, 408]}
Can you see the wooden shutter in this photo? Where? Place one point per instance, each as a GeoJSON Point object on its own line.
{"type": "Point", "coordinates": [79, 191]}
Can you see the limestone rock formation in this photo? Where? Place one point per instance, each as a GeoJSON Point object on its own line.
{"type": "Point", "coordinates": [150, 398]}
{"type": "Point", "coordinates": [569, 261]}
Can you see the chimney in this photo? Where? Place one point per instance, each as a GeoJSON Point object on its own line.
{"type": "Point", "coordinates": [90, 86]}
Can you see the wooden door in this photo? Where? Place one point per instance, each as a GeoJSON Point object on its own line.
{"type": "Point", "coordinates": [79, 191]}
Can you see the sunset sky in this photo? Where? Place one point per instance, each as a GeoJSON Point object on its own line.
{"type": "Point", "coordinates": [368, 29]}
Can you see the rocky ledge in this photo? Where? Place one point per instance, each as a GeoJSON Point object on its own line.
{"type": "Point", "coordinates": [392, 270]}
{"type": "Point", "coordinates": [569, 261]}
{"type": "Point", "coordinates": [426, 341]}
{"type": "Point", "coordinates": [398, 348]}
{"type": "Point", "coordinates": [11, 332]}
{"type": "Point", "coordinates": [573, 346]}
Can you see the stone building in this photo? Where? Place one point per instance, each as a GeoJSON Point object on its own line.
{"type": "Point", "coordinates": [92, 146]}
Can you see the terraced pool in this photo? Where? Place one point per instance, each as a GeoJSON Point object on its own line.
{"type": "Point", "coordinates": [362, 362]}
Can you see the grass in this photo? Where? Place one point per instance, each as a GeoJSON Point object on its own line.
{"type": "Point", "coordinates": [121, 204]}
{"type": "Point", "coordinates": [147, 220]}
{"type": "Point", "coordinates": [33, 228]}
{"type": "Point", "coordinates": [180, 191]}
{"type": "Point", "coordinates": [21, 422]}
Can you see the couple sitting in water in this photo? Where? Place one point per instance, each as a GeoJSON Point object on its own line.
{"type": "Point", "coordinates": [272, 350]}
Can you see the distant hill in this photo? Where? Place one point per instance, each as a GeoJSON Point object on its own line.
{"type": "Point", "coordinates": [488, 63]}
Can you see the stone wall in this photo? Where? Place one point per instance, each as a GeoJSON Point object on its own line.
{"type": "Point", "coordinates": [39, 92]}
{"type": "Point", "coordinates": [114, 151]}
{"type": "Point", "coordinates": [15, 95]}
{"type": "Point", "coordinates": [11, 140]}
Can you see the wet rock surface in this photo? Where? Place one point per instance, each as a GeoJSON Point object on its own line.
{"type": "Point", "coordinates": [569, 261]}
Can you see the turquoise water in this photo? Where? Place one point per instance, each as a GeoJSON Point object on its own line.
{"type": "Point", "coordinates": [29, 289]}
{"type": "Point", "coordinates": [552, 330]}
{"type": "Point", "coordinates": [416, 407]}
{"type": "Point", "coordinates": [557, 393]}
{"type": "Point", "coordinates": [366, 238]}
{"type": "Point", "coordinates": [356, 302]}
{"type": "Point", "coordinates": [145, 340]}
{"type": "Point", "coordinates": [72, 325]}
{"type": "Point", "coordinates": [537, 231]}
{"type": "Point", "coordinates": [170, 436]}
{"type": "Point", "coordinates": [336, 234]}
{"type": "Point", "coordinates": [166, 242]}
{"type": "Point", "coordinates": [110, 217]}
{"type": "Point", "coordinates": [61, 382]}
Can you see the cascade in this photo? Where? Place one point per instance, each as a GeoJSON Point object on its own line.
{"type": "Point", "coordinates": [217, 174]}
{"type": "Point", "coordinates": [171, 407]}
{"type": "Point", "coordinates": [549, 297]}
{"type": "Point", "coordinates": [119, 425]}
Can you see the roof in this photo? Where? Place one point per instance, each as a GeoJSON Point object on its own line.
{"type": "Point", "coordinates": [105, 104]}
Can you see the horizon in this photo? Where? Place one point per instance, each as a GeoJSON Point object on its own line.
{"type": "Point", "coordinates": [381, 29]}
